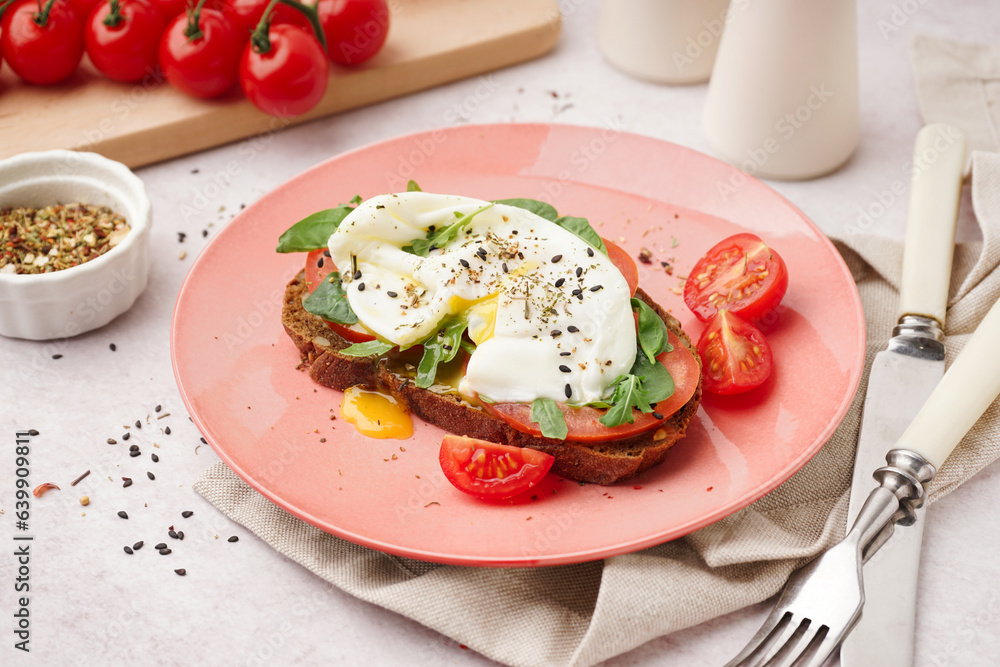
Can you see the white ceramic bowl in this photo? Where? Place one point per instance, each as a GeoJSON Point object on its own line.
{"type": "Point", "coordinates": [69, 302]}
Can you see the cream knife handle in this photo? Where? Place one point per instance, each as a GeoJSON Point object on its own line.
{"type": "Point", "coordinates": [938, 164]}
{"type": "Point", "coordinates": [966, 390]}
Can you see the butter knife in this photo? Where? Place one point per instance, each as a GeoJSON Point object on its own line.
{"type": "Point", "coordinates": [902, 378]}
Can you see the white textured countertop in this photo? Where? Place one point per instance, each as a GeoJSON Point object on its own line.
{"type": "Point", "coordinates": [244, 604]}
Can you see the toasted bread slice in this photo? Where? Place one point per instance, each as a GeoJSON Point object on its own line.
{"type": "Point", "coordinates": [600, 463]}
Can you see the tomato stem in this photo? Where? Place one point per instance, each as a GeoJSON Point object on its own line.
{"type": "Point", "coordinates": [114, 17]}
{"type": "Point", "coordinates": [312, 14]}
{"type": "Point", "coordinates": [193, 29]}
{"type": "Point", "coordinates": [260, 41]}
{"type": "Point", "coordinates": [42, 17]}
{"type": "Point", "coordinates": [4, 6]}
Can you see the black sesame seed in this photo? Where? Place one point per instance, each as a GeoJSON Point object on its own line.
{"type": "Point", "coordinates": [186, 513]}
{"type": "Point", "coordinates": [482, 253]}
{"type": "Point", "coordinates": [514, 232]}
{"type": "Point", "coordinates": [504, 267]}
{"type": "Point", "coordinates": [361, 287]}
{"type": "Point", "coordinates": [135, 454]}
{"type": "Point", "coordinates": [123, 514]}
{"type": "Point", "coordinates": [126, 482]}
{"type": "Point", "coordinates": [112, 347]}
{"type": "Point", "coordinates": [57, 356]}
{"type": "Point", "coordinates": [320, 263]}
{"type": "Point", "coordinates": [564, 368]}
{"type": "Point", "coordinates": [172, 533]}
{"type": "Point", "coordinates": [166, 431]}
{"type": "Point", "coordinates": [560, 282]}
{"type": "Point", "coordinates": [579, 271]}
{"type": "Point", "coordinates": [577, 292]}
{"type": "Point", "coordinates": [590, 252]}
{"type": "Point", "coordinates": [233, 539]}
{"type": "Point", "coordinates": [357, 275]}
{"type": "Point", "coordinates": [180, 237]}
{"type": "Point", "coordinates": [391, 295]}
{"type": "Point", "coordinates": [555, 260]}
{"type": "Point", "coordinates": [464, 262]}
{"type": "Point", "coordinates": [137, 545]}
{"type": "Point", "coordinates": [569, 391]}
{"type": "Point", "coordinates": [657, 415]}
{"type": "Point", "coordinates": [161, 545]}
{"type": "Point", "coordinates": [112, 441]}
{"type": "Point", "coordinates": [126, 436]}
{"type": "Point", "coordinates": [596, 288]}
{"type": "Point", "coordinates": [203, 441]}
{"type": "Point", "coordinates": [432, 228]}
{"type": "Point", "coordinates": [33, 431]}
{"type": "Point", "coordinates": [128, 550]}
{"type": "Point", "coordinates": [154, 457]}
{"type": "Point", "coordinates": [138, 424]}
{"type": "Point", "coordinates": [556, 333]}
{"type": "Point", "coordinates": [181, 571]}
{"type": "Point", "coordinates": [326, 253]}
{"type": "Point", "coordinates": [565, 354]}
{"type": "Point", "coordinates": [180, 534]}
{"type": "Point", "coordinates": [164, 552]}
{"type": "Point", "coordinates": [157, 408]}
{"type": "Point", "coordinates": [572, 329]}
{"type": "Point", "coordinates": [133, 448]}
{"type": "Point", "coordinates": [150, 475]}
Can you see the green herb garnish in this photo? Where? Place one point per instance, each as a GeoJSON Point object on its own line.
{"type": "Point", "coordinates": [442, 237]}
{"type": "Point", "coordinates": [314, 231]}
{"type": "Point", "coordinates": [440, 349]}
{"type": "Point", "coordinates": [546, 413]}
{"type": "Point", "coordinates": [539, 208]}
{"type": "Point", "coordinates": [329, 301]}
{"type": "Point", "coordinates": [652, 334]}
{"type": "Point", "coordinates": [367, 349]}
{"type": "Point", "coordinates": [581, 227]}
{"type": "Point", "coordinates": [647, 383]}
{"type": "Point", "coordinates": [412, 186]}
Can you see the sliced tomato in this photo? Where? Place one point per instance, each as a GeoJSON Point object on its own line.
{"type": "Point", "coordinates": [735, 355]}
{"type": "Point", "coordinates": [625, 264]}
{"type": "Point", "coordinates": [741, 274]}
{"type": "Point", "coordinates": [319, 266]}
{"type": "Point", "coordinates": [583, 423]}
{"type": "Point", "coordinates": [490, 471]}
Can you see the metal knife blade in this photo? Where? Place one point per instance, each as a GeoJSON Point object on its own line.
{"type": "Point", "coordinates": [901, 379]}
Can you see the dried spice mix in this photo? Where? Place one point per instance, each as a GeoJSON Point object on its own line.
{"type": "Point", "coordinates": [57, 237]}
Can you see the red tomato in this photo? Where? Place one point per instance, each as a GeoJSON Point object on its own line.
{"type": "Point", "coordinates": [740, 274]}
{"type": "Point", "coordinates": [355, 29]}
{"type": "Point", "coordinates": [172, 8]}
{"type": "Point", "coordinates": [735, 355]}
{"type": "Point", "coordinates": [290, 78]}
{"type": "Point", "coordinates": [127, 51]}
{"type": "Point", "coordinates": [205, 66]}
{"type": "Point", "coordinates": [625, 264]}
{"type": "Point", "coordinates": [318, 266]}
{"type": "Point", "coordinates": [84, 7]}
{"type": "Point", "coordinates": [42, 54]}
{"type": "Point", "coordinates": [245, 15]}
{"type": "Point", "coordinates": [490, 471]}
{"type": "Point", "coordinates": [583, 423]}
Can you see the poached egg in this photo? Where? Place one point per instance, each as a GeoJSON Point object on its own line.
{"type": "Point", "coordinates": [549, 315]}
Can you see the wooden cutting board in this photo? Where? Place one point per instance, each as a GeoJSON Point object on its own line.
{"type": "Point", "coordinates": [430, 42]}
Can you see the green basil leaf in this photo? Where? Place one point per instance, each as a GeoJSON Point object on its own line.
{"type": "Point", "coordinates": [652, 334]}
{"type": "Point", "coordinates": [329, 301]}
{"type": "Point", "coordinates": [367, 349]}
{"type": "Point", "coordinates": [546, 413]}
{"type": "Point", "coordinates": [657, 383]}
{"type": "Point", "coordinates": [581, 227]}
{"type": "Point", "coordinates": [356, 199]}
{"type": "Point", "coordinates": [629, 394]}
{"type": "Point", "coordinates": [412, 186]}
{"type": "Point", "coordinates": [468, 346]}
{"type": "Point", "coordinates": [539, 208]}
{"type": "Point", "coordinates": [314, 231]}
{"type": "Point", "coordinates": [442, 237]}
{"type": "Point", "coordinates": [440, 348]}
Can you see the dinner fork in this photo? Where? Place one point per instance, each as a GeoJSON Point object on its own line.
{"type": "Point", "coordinates": [822, 601]}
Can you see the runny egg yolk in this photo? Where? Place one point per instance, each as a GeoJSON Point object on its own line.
{"type": "Point", "coordinates": [376, 415]}
{"type": "Point", "coordinates": [481, 313]}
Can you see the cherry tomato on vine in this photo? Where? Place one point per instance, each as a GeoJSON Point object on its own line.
{"type": "Point", "coordinates": [200, 53]}
{"type": "Point", "coordinates": [42, 47]}
{"type": "Point", "coordinates": [734, 353]}
{"type": "Point", "coordinates": [171, 8]}
{"type": "Point", "coordinates": [245, 15]}
{"type": "Point", "coordinates": [122, 39]}
{"type": "Point", "coordinates": [84, 7]}
{"type": "Point", "coordinates": [285, 74]}
{"type": "Point", "coordinates": [355, 29]}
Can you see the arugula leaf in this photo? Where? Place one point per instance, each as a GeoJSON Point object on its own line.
{"type": "Point", "coordinates": [581, 227]}
{"type": "Point", "coordinates": [539, 208]}
{"type": "Point", "coordinates": [356, 199]}
{"type": "Point", "coordinates": [367, 349]}
{"type": "Point", "coordinates": [652, 335]}
{"type": "Point", "coordinates": [329, 301]}
{"type": "Point", "coordinates": [314, 231]}
{"type": "Point", "coordinates": [442, 237]}
{"type": "Point", "coordinates": [647, 383]}
{"type": "Point", "coordinates": [546, 413]}
{"type": "Point", "coordinates": [440, 349]}
{"type": "Point", "coordinates": [412, 186]}
{"type": "Point", "coordinates": [657, 383]}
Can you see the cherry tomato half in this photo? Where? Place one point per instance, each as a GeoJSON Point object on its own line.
{"type": "Point", "coordinates": [355, 29]}
{"type": "Point", "coordinates": [583, 423]}
{"type": "Point", "coordinates": [490, 471]}
{"type": "Point", "coordinates": [735, 355]}
{"type": "Point", "coordinates": [740, 274]}
{"type": "Point", "coordinates": [42, 54]}
{"type": "Point", "coordinates": [625, 264]}
{"type": "Point", "coordinates": [318, 266]}
{"type": "Point", "coordinates": [128, 50]}
{"type": "Point", "coordinates": [290, 78]}
{"type": "Point", "coordinates": [205, 66]}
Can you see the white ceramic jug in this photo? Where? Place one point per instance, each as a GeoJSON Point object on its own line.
{"type": "Point", "coordinates": [783, 99]}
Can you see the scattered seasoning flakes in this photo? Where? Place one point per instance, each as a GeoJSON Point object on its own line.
{"type": "Point", "coordinates": [233, 539]}
{"type": "Point", "coordinates": [710, 488]}
{"type": "Point", "coordinates": [165, 414]}
{"type": "Point", "coordinates": [186, 513]}
{"type": "Point", "coordinates": [156, 459]}
{"type": "Point", "coordinates": [636, 487]}
{"type": "Point", "coordinates": [126, 482]}
{"type": "Point", "coordinates": [112, 441]}
{"type": "Point", "coordinates": [85, 500]}
{"type": "Point", "coordinates": [137, 545]}
{"type": "Point", "coordinates": [181, 571]}
{"type": "Point", "coordinates": [433, 502]}
{"type": "Point", "coordinates": [123, 514]}
{"type": "Point", "coordinates": [41, 489]}
{"type": "Point", "coordinates": [674, 242]}
{"type": "Point", "coordinates": [57, 356]}
{"type": "Point", "coordinates": [646, 255]}
{"type": "Point", "coordinates": [160, 546]}
{"type": "Point", "coordinates": [128, 550]}
{"type": "Point", "coordinates": [150, 475]}
{"type": "Point", "coordinates": [184, 253]}
{"type": "Point", "coordinates": [78, 479]}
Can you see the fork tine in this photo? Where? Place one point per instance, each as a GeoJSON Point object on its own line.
{"type": "Point", "coordinates": [786, 654]}
{"type": "Point", "coordinates": [819, 652]}
{"type": "Point", "coordinates": [775, 631]}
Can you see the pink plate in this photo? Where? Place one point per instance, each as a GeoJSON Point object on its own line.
{"type": "Point", "coordinates": [270, 423]}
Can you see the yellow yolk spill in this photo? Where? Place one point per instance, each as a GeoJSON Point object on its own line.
{"type": "Point", "coordinates": [375, 415]}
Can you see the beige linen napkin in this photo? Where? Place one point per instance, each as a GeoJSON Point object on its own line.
{"type": "Point", "coordinates": [582, 614]}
